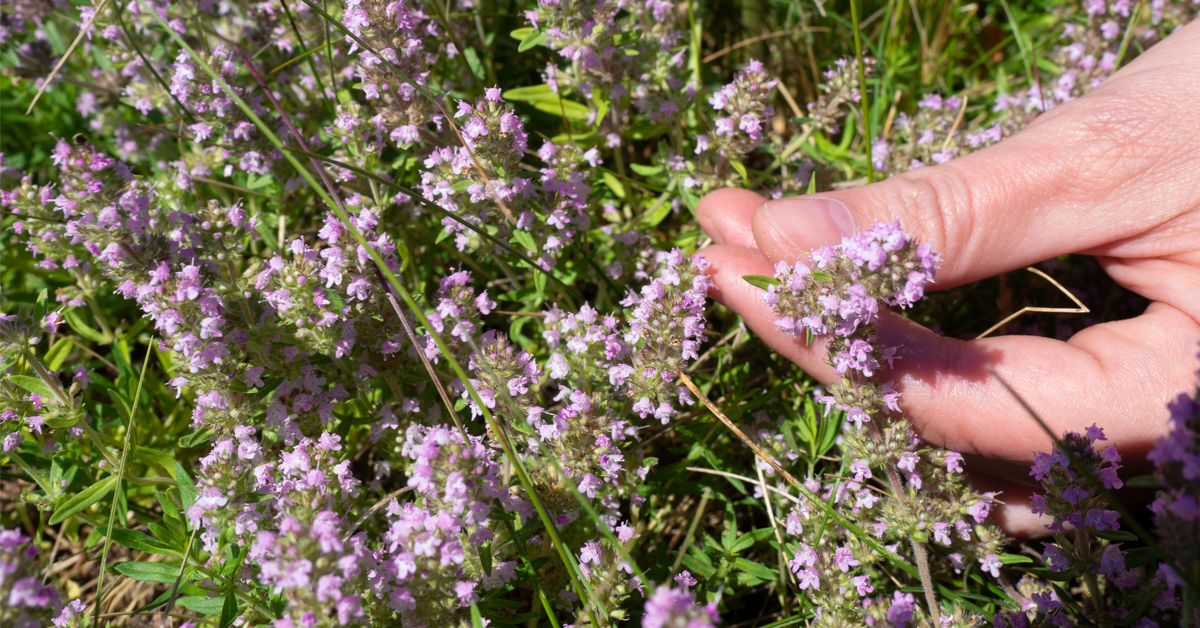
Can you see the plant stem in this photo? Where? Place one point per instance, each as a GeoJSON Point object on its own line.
{"type": "Point", "coordinates": [862, 88]}
{"type": "Point", "coordinates": [691, 533]}
{"type": "Point", "coordinates": [919, 554]}
{"type": "Point", "coordinates": [120, 470]}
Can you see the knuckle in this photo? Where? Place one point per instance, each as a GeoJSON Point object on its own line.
{"type": "Point", "coordinates": [937, 203]}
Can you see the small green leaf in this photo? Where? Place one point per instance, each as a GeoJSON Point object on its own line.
{"type": "Point", "coordinates": [187, 488]}
{"type": "Point", "coordinates": [35, 386]}
{"type": "Point", "coordinates": [625, 37]}
{"type": "Point", "coordinates": [750, 538]}
{"type": "Point", "coordinates": [699, 562]}
{"type": "Point", "coordinates": [762, 282]}
{"type": "Point", "coordinates": [1056, 576]}
{"type": "Point", "coordinates": [521, 33]}
{"type": "Point", "coordinates": [789, 436]}
{"type": "Point", "coordinates": [812, 183]}
{"type": "Point", "coordinates": [614, 184]}
{"type": "Point", "coordinates": [168, 506]}
{"type": "Point", "coordinates": [1114, 535]}
{"type": "Point", "coordinates": [567, 108]}
{"type": "Point", "coordinates": [57, 354]}
{"type": "Point", "coordinates": [195, 439]}
{"type": "Point", "coordinates": [525, 239]}
{"type": "Point", "coordinates": [150, 454]}
{"type": "Point", "coordinates": [657, 212]}
{"type": "Point", "coordinates": [737, 165]}
{"type": "Point", "coordinates": [1013, 559]}
{"type": "Point", "coordinates": [84, 499]}
{"type": "Point", "coordinates": [485, 558]}
{"type": "Point", "coordinates": [539, 283]}
{"type": "Point", "coordinates": [755, 569]}
{"type": "Point", "coordinates": [82, 328]}
{"type": "Point", "coordinates": [201, 604]}
{"type": "Point", "coordinates": [229, 611]}
{"type": "Point", "coordinates": [150, 572]}
{"type": "Point", "coordinates": [645, 171]}
{"type": "Point", "coordinates": [530, 93]}
{"type": "Point", "coordinates": [476, 618]}
{"type": "Point", "coordinates": [830, 429]}
{"type": "Point", "coordinates": [143, 542]}
{"type": "Point", "coordinates": [531, 39]}
{"type": "Point", "coordinates": [1139, 556]}
{"type": "Point", "coordinates": [473, 62]}
{"type": "Point", "coordinates": [167, 536]}
{"type": "Point", "coordinates": [820, 276]}
{"type": "Point", "coordinates": [689, 199]}
{"type": "Point", "coordinates": [1143, 481]}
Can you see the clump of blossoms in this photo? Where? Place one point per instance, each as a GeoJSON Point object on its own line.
{"type": "Point", "coordinates": [27, 602]}
{"type": "Point", "coordinates": [1084, 547]}
{"type": "Point", "coordinates": [221, 130]}
{"type": "Point", "coordinates": [429, 565]}
{"type": "Point", "coordinates": [1176, 458]}
{"type": "Point", "coordinates": [838, 292]}
{"type": "Point", "coordinates": [1093, 32]}
{"type": "Point", "coordinates": [479, 180]}
{"type": "Point", "coordinates": [739, 120]}
{"type": "Point", "coordinates": [741, 113]}
{"type": "Point", "coordinates": [670, 607]}
{"type": "Point", "coordinates": [934, 135]}
{"type": "Point", "coordinates": [839, 94]}
{"type": "Point", "coordinates": [608, 574]}
{"type": "Point", "coordinates": [396, 33]}
{"type": "Point", "coordinates": [666, 329]}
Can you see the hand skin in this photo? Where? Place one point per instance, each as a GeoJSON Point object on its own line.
{"type": "Point", "coordinates": [1115, 174]}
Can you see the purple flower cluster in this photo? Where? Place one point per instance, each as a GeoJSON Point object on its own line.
{"type": "Point", "coordinates": [840, 92]}
{"type": "Point", "coordinates": [431, 542]}
{"type": "Point", "coordinates": [1092, 35]}
{"type": "Point", "coordinates": [1176, 458]}
{"type": "Point", "coordinates": [28, 602]}
{"type": "Point", "coordinates": [669, 607]}
{"type": "Point", "coordinates": [397, 33]}
{"type": "Point", "coordinates": [220, 129]}
{"type": "Point", "coordinates": [1071, 499]}
{"type": "Point", "coordinates": [608, 574]}
{"type": "Point", "coordinates": [839, 292]}
{"type": "Point", "coordinates": [934, 135]}
{"type": "Point", "coordinates": [741, 113]}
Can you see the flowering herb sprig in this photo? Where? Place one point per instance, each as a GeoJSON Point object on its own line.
{"type": "Point", "coordinates": [1117, 586]}
{"type": "Point", "coordinates": [1176, 458]}
{"type": "Point", "coordinates": [838, 292]}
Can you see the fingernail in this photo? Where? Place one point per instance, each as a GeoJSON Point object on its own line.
{"type": "Point", "coordinates": [808, 216]}
{"type": "Point", "coordinates": [710, 227]}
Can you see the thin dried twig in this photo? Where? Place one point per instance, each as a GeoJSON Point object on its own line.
{"type": "Point", "coordinates": [957, 121]}
{"type": "Point", "coordinates": [67, 55]}
{"type": "Point", "coordinates": [787, 95]}
{"type": "Point", "coordinates": [765, 36]}
{"type": "Point", "coordinates": [372, 510]}
{"type": "Point", "coordinates": [1082, 309]}
{"type": "Point", "coordinates": [726, 474]}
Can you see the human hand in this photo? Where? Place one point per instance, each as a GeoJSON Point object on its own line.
{"type": "Point", "coordinates": [1115, 174]}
